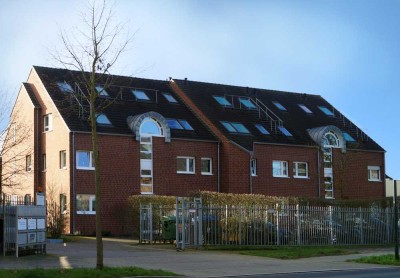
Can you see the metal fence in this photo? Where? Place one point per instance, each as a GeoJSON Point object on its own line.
{"type": "Point", "coordinates": [276, 225]}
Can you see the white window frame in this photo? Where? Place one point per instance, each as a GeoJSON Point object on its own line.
{"type": "Point", "coordinates": [296, 170]}
{"type": "Point", "coordinates": [63, 159]}
{"type": "Point", "coordinates": [49, 126]}
{"type": "Point", "coordinates": [210, 165]}
{"type": "Point", "coordinates": [187, 159]}
{"type": "Point", "coordinates": [283, 165]}
{"type": "Point", "coordinates": [253, 167]}
{"type": "Point", "coordinates": [374, 168]}
{"type": "Point", "coordinates": [91, 162]}
{"type": "Point", "coordinates": [91, 208]}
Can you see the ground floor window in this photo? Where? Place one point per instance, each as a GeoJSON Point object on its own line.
{"type": "Point", "coordinates": [280, 168]}
{"type": "Point", "coordinates": [374, 173]}
{"type": "Point", "coordinates": [185, 165]}
{"type": "Point", "coordinates": [300, 169]}
{"type": "Point", "coordinates": [206, 166]}
{"type": "Point", "coordinates": [85, 204]}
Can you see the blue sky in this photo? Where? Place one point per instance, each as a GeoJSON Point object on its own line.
{"type": "Point", "coordinates": [346, 51]}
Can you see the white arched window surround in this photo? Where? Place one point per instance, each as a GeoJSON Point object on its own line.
{"type": "Point", "coordinates": [331, 139]}
{"type": "Point", "coordinates": [150, 126]}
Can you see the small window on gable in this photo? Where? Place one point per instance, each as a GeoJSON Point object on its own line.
{"type": "Point", "coordinates": [246, 102]}
{"type": "Point", "coordinates": [65, 87]}
{"type": "Point", "coordinates": [253, 167]}
{"type": "Point", "coordinates": [326, 110]}
{"type": "Point", "coordinates": [206, 166]}
{"type": "Point", "coordinates": [279, 106]}
{"type": "Point", "coordinates": [63, 160]}
{"type": "Point", "coordinates": [47, 122]}
{"type": "Point", "coordinates": [374, 173]}
{"type": "Point", "coordinates": [28, 163]}
{"type": "Point", "coordinates": [284, 131]}
{"type": "Point", "coordinates": [140, 95]}
{"type": "Point", "coordinates": [348, 137]}
{"type": "Point", "coordinates": [102, 119]}
{"type": "Point", "coordinates": [305, 108]}
{"type": "Point", "coordinates": [101, 91]}
{"type": "Point", "coordinates": [170, 98]}
{"type": "Point", "coordinates": [222, 100]}
{"type": "Point", "coordinates": [262, 129]}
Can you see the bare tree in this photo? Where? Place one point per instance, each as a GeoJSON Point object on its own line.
{"type": "Point", "coordinates": [15, 150]}
{"type": "Point", "coordinates": [93, 50]}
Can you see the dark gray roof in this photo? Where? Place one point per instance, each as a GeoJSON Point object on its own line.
{"type": "Point", "coordinates": [121, 104]}
{"type": "Point", "coordinates": [31, 95]}
{"type": "Point", "coordinates": [294, 118]}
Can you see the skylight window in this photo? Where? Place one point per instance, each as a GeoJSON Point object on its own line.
{"type": "Point", "coordinates": [305, 108]}
{"type": "Point", "coordinates": [348, 137]}
{"type": "Point", "coordinates": [170, 98]}
{"type": "Point", "coordinates": [262, 129]}
{"type": "Point", "coordinates": [326, 110]}
{"type": "Point", "coordinates": [102, 119]}
{"type": "Point", "coordinates": [279, 106]}
{"type": "Point", "coordinates": [222, 100]}
{"type": "Point", "coordinates": [284, 131]}
{"type": "Point", "coordinates": [140, 95]}
{"type": "Point", "coordinates": [247, 103]}
{"type": "Point", "coordinates": [235, 127]}
{"type": "Point", "coordinates": [65, 87]}
{"type": "Point", "coordinates": [179, 124]}
{"type": "Point", "coordinates": [101, 91]}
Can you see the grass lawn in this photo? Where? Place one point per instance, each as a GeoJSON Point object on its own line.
{"type": "Point", "coordinates": [83, 273]}
{"type": "Point", "coordinates": [382, 259]}
{"type": "Point", "coordinates": [291, 252]}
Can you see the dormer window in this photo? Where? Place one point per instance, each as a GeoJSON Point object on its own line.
{"type": "Point", "coordinates": [101, 91]}
{"type": "Point", "coordinates": [326, 110]}
{"type": "Point", "coordinates": [140, 95]}
{"type": "Point", "coordinates": [65, 87]}
{"type": "Point", "coordinates": [284, 131]}
{"type": "Point", "coordinates": [331, 140]}
{"type": "Point", "coordinates": [246, 102]}
{"type": "Point", "coordinates": [262, 129]}
{"type": "Point", "coordinates": [170, 98]}
{"type": "Point", "coordinates": [305, 108]}
{"type": "Point", "coordinates": [222, 101]}
{"type": "Point", "coordinates": [279, 106]}
{"type": "Point", "coordinates": [102, 119]}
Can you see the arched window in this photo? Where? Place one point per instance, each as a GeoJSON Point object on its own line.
{"type": "Point", "coordinates": [331, 140]}
{"type": "Point", "coordinates": [151, 127]}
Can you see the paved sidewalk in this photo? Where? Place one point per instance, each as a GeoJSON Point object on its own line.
{"type": "Point", "coordinates": [190, 263]}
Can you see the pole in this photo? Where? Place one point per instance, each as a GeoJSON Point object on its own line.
{"type": "Point", "coordinates": [396, 225]}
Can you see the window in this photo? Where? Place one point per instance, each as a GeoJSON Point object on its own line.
{"type": "Point", "coordinates": [279, 168]}
{"type": "Point", "coordinates": [206, 166]}
{"type": "Point", "coordinates": [253, 167]}
{"type": "Point", "coordinates": [222, 100]}
{"type": "Point", "coordinates": [150, 127]}
{"type": "Point", "coordinates": [247, 103]}
{"type": "Point", "coordinates": [235, 127]}
{"type": "Point", "coordinates": [65, 87]}
{"type": "Point", "coordinates": [326, 110]}
{"type": "Point", "coordinates": [44, 166]}
{"type": "Point", "coordinates": [170, 98]}
{"type": "Point", "coordinates": [179, 124]}
{"type": "Point", "coordinates": [102, 119]}
{"type": "Point", "coordinates": [305, 108]}
{"type": "Point", "coordinates": [63, 203]}
{"type": "Point", "coordinates": [374, 173]}
{"type": "Point", "coordinates": [284, 131]}
{"type": "Point", "coordinates": [348, 137]}
{"type": "Point", "coordinates": [262, 129]}
{"type": "Point", "coordinates": [185, 165]}
{"type": "Point", "coordinates": [300, 169]}
{"type": "Point", "coordinates": [28, 163]}
{"type": "Point", "coordinates": [101, 91]}
{"type": "Point", "coordinates": [47, 122]}
{"type": "Point", "coordinates": [85, 204]}
{"type": "Point", "coordinates": [331, 140]}
{"type": "Point", "coordinates": [279, 106]}
{"type": "Point", "coordinates": [84, 160]}
{"type": "Point", "coordinates": [140, 95]}
{"type": "Point", "coordinates": [63, 160]}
